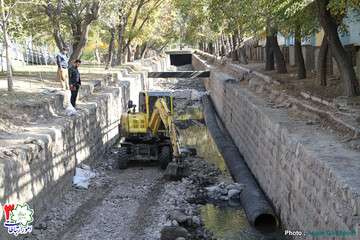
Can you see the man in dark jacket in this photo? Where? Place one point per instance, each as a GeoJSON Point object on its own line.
{"type": "Point", "coordinates": [74, 81]}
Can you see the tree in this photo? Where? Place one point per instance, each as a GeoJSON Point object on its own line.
{"type": "Point", "coordinates": [124, 13]}
{"type": "Point", "coordinates": [193, 22]}
{"type": "Point", "coordinates": [54, 12]}
{"type": "Point", "coordinates": [108, 22]}
{"type": "Point", "coordinates": [248, 18]}
{"type": "Point", "coordinates": [233, 23]}
{"type": "Point", "coordinates": [135, 29]}
{"type": "Point", "coordinates": [132, 19]}
{"type": "Point", "coordinates": [81, 14]}
{"type": "Point", "coordinates": [273, 18]}
{"type": "Point", "coordinates": [331, 14]}
{"type": "Point", "coordinates": [77, 15]}
{"type": "Point", "coordinates": [301, 73]}
{"type": "Point", "coordinates": [160, 31]}
{"type": "Point", "coordinates": [322, 62]}
{"type": "Point", "coordinates": [7, 11]}
{"type": "Point", "coordinates": [299, 21]}
{"type": "Point", "coordinates": [5, 15]}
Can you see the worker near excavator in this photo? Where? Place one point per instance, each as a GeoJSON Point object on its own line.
{"type": "Point", "coordinates": [74, 81]}
{"type": "Point", "coordinates": [62, 61]}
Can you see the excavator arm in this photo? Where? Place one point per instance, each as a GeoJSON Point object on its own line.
{"type": "Point", "coordinates": [162, 114]}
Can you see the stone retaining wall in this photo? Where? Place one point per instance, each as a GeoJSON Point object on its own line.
{"type": "Point", "coordinates": [39, 163]}
{"type": "Point", "coordinates": [312, 179]}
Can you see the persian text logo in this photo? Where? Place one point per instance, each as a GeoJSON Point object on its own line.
{"type": "Point", "coordinates": [18, 218]}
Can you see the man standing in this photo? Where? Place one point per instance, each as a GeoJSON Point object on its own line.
{"type": "Point", "coordinates": [62, 72]}
{"type": "Point", "coordinates": [74, 81]}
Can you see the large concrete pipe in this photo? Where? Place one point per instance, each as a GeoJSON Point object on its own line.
{"type": "Point", "coordinates": [256, 205]}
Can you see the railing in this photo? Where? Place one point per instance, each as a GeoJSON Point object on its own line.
{"type": "Point", "coordinates": [22, 54]}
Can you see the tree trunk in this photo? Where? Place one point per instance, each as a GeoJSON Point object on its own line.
{"type": "Point", "coordinates": [143, 50]}
{"type": "Point", "coordinates": [137, 52]}
{"type": "Point", "coordinates": [242, 56]}
{"type": "Point", "coordinates": [80, 25]}
{"type": "Point", "coordinates": [121, 50]}
{"type": "Point", "coordinates": [120, 40]}
{"type": "Point", "coordinates": [301, 70]}
{"type": "Point", "coordinates": [60, 43]}
{"type": "Point", "coordinates": [1, 56]}
{"type": "Point", "coordinates": [346, 68]}
{"type": "Point", "coordinates": [97, 53]}
{"type": "Point", "coordinates": [79, 42]}
{"type": "Point", "coordinates": [278, 55]}
{"type": "Point", "coordinates": [228, 44]}
{"type": "Point", "coordinates": [230, 41]}
{"type": "Point", "coordinates": [203, 46]}
{"type": "Point", "coordinates": [124, 56]}
{"type": "Point", "coordinates": [235, 55]}
{"type": "Point", "coordinates": [222, 44]}
{"type": "Point", "coordinates": [130, 57]}
{"type": "Point", "coordinates": [9, 73]}
{"type": "Point", "coordinates": [218, 47]}
{"type": "Point", "coordinates": [54, 12]}
{"type": "Point", "coordinates": [322, 62]}
{"type": "Point", "coordinates": [9, 68]}
{"type": "Point", "coordinates": [269, 63]}
{"type": "Point", "coordinates": [211, 48]}
{"type": "Point", "coordinates": [111, 48]}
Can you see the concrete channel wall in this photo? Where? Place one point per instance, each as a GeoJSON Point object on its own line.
{"type": "Point", "coordinates": [312, 179]}
{"type": "Point", "coordinates": [36, 165]}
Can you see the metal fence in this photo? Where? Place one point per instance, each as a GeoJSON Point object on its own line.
{"type": "Point", "coordinates": [22, 54]}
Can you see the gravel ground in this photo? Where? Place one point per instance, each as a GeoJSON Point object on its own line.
{"type": "Point", "coordinates": [135, 203]}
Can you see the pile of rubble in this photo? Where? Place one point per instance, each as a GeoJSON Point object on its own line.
{"type": "Point", "coordinates": [184, 198]}
{"type": "Point", "coordinates": [225, 192]}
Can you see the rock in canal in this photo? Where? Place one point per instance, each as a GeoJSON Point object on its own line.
{"type": "Point", "coordinates": [173, 233]}
{"type": "Point", "coordinates": [225, 192]}
{"type": "Point", "coordinates": [234, 194]}
{"type": "Point", "coordinates": [179, 216]}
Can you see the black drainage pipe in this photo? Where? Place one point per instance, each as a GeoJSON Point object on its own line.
{"type": "Point", "coordinates": [257, 207]}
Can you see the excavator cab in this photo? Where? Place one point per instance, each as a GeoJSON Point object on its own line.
{"type": "Point", "coordinates": [147, 101]}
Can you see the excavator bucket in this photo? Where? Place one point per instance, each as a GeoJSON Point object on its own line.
{"type": "Point", "coordinates": [178, 168]}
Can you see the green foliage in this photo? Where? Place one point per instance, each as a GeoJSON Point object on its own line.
{"type": "Point", "coordinates": [161, 22]}
{"type": "Point", "coordinates": [340, 7]}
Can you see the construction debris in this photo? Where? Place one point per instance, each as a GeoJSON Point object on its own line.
{"type": "Point", "coordinates": [225, 192]}
{"type": "Point", "coordinates": [70, 111]}
{"type": "Point", "coordinates": [82, 177]}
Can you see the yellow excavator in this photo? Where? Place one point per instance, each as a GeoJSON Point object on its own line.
{"type": "Point", "coordinates": [150, 133]}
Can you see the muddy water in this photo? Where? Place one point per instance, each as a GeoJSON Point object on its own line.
{"type": "Point", "coordinates": [199, 137]}
{"type": "Point", "coordinates": [226, 221]}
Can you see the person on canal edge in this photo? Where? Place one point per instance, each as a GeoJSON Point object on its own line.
{"type": "Point", "coordinates": [62, 62]}
{"type": "Point", "coordinates": [74, 81]}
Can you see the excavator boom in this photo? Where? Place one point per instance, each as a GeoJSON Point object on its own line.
{"type": "Point", "coordinates": [162, 114]}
